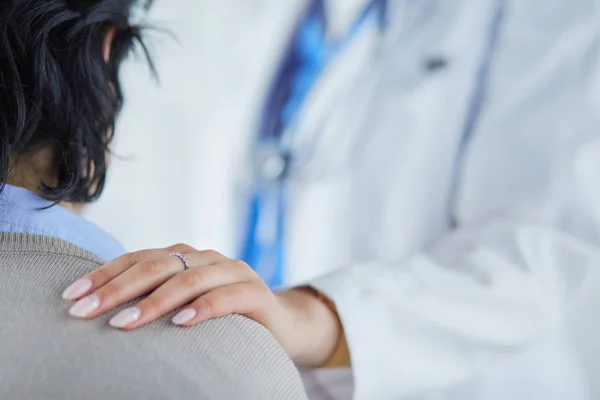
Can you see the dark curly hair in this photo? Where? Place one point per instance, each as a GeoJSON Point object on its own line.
{"type": "Point", "coordinates": [56, 89]}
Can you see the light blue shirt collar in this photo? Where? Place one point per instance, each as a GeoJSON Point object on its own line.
{"type": "Point", "coordinates": [21, 211]}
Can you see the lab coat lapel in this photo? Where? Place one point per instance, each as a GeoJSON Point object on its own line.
{"type": "Point", "coordinates": [344, 72]}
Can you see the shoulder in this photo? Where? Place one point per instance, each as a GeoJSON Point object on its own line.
{"type": "Point", "coordinates": [226, 358]}
{"type": "Point", "coordinates": [232, 349]}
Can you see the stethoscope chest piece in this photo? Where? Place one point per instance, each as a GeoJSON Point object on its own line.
{"type": "Point", "coordinates": [271, 164]}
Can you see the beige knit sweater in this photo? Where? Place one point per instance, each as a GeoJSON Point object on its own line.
{"type": "Point", "coordinates": [44, 354]}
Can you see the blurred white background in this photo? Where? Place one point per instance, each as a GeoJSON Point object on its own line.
{"type": "Point", "coordinates": [180, 143]}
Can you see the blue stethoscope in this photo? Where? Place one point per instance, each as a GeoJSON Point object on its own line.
{"type": "Point", "coordinates": [306, 58]}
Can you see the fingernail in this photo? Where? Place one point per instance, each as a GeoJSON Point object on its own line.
{"type": "Point", "coordinates": [77, 289]}
{"type": "Point", "coordinates": [184, 316]}
{"type": "Point", "coordinates": [125, 317]}
{"type": "Point", "coordinates": [85, 306]}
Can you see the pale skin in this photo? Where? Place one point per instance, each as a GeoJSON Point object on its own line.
{"type": "Point", "coordinates": [213, 286]}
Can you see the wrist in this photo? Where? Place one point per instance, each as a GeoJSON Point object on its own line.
{"type": "Point", "coordinates": [313, 325]}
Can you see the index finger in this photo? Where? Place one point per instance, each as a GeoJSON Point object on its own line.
{"type": "Point", "coordinates": [108, 272]}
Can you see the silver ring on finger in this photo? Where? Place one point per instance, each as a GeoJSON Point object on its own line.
{"type": "Point", "coordinates": [184, 260]}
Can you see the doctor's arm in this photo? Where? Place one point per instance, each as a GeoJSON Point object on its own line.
{"type": "Point", "coordinates": [442, 316]}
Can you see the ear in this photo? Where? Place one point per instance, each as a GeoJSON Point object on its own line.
{"type": "Point", "coordinates": [107, 43]}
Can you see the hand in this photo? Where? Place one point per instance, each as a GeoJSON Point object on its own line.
{"type": "Point", "coordinates": [212, 287]}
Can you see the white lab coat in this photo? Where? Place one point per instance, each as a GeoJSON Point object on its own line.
{"type": "Point", "coordinates": [452, 266]}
